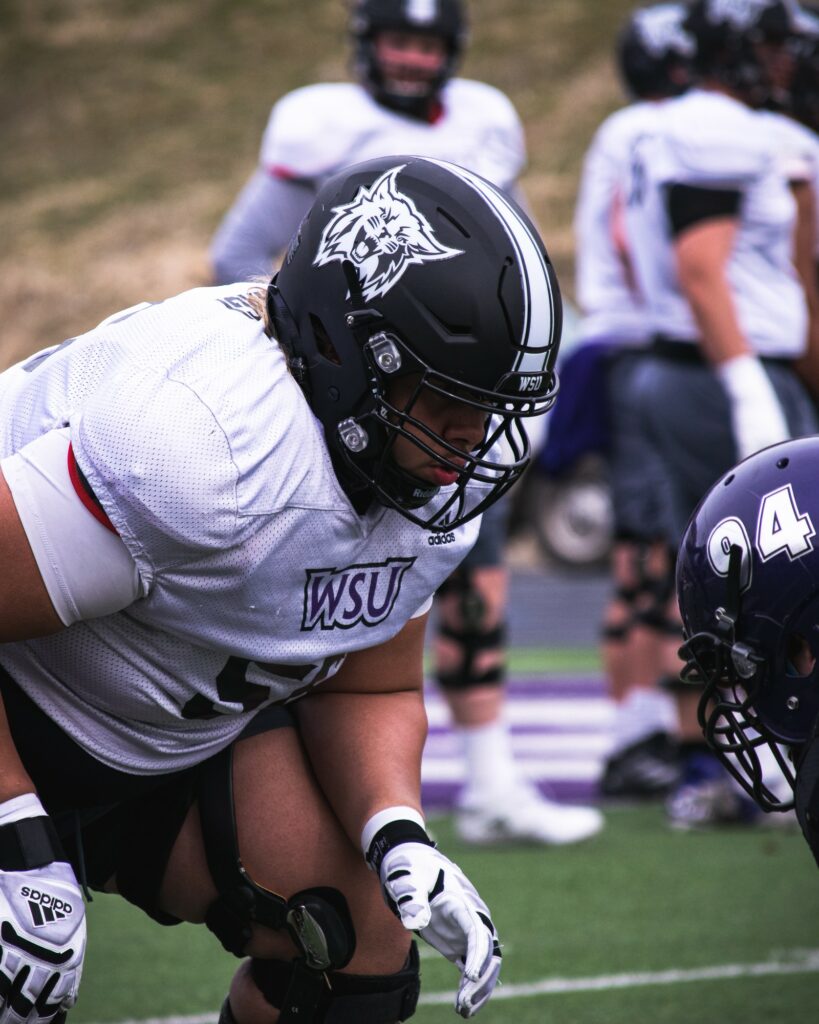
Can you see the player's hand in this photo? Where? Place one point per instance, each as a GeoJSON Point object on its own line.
{"type": "Point", "coordinates": [757, 418]}
{"type": "Point", "coordinates": [42, 933]}
{"type": "Point", "coordinates": [433, 897]}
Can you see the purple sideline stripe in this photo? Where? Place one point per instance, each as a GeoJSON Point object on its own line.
{"type": "Point", "coordinates": [531, 730]}
{"type": "Point", "coordinates": [557, 688]}
{"type": "Point", "coordinates": [441, 796]}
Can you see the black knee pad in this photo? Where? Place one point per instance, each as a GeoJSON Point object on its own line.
{"type": "Point", "coordinates": [655, 594]}
{"type": "Point", "coordinates": [304, 996]}
{"type": "Point", "coordinates": [619, 632]}
{"type": "Point", "coordinates": [471, 636]}
{"type": "Point", "coordinates": [470, 644]}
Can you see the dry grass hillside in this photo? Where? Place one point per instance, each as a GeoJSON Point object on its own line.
{"type": "Point", "coordinates": [129, 125]}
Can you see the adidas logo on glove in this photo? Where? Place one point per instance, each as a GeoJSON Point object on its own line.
{"type": "Point", "coordinates": [45, 908]}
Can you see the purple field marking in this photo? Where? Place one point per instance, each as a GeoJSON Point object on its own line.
{"type": "Point", "coordinates": [530, 730]}
{"type": "Point", "coordinates": [540, 687]}
{"type": "Point", "coordinates": [440, 796]}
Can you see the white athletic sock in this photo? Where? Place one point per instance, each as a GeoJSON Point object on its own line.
{"type": "Point", "coordinates": [489, 761]}
{"type": "Point", "coordinates": [640, 714]}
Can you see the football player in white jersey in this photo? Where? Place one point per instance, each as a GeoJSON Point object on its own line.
{"type": "Point", "coordinates": [711, 223]}
{"type": "Point", "coordinates": [406, 100]}
{"type": "Point", "coordinates": [793, 119]}
{"type": "Point", "coordinates": [654, 60]}
{"type": "Point", "coordinates": [222, 520]}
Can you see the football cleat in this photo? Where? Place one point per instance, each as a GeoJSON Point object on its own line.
{"type": "Point", "coordinates": [523, 815]}
{"type": "Point", "coordinates": [707, 796]}
{"type": "Point", "coordinates": [645, 769]}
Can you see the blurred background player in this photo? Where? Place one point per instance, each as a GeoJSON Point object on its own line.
{"type": "Point", "coordinates": [654, 55]}
{"type": "Point", "coordinates": [711, 222]}
{"type": "Point", "coordinates": [792, 117]}
{"type": "Point", "coordinates": [405, 100]}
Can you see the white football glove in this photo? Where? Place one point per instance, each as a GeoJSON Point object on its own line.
{"type": "Point", "coordinates": [42, 926]}
{"type": "Point", "coordinates": [433, 897]}
{"type": "Point", "coordinates": [757, 418]}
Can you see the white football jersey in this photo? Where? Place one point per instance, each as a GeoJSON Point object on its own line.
{"type": "Point", "coordinates": [258, 575]}
{"type": "Point", "coordinates": [611, 305]}
{"type": "Point", "coordinates": [318, 130]}
{"type": "Point", "coordinates": [708, 140]}
{"type": "Point", "coordinates": [799, 154]}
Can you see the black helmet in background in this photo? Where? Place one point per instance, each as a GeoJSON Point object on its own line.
{"type": "Point", "coordinates": [444, 19]}
{"type": "Point", "coordinates": [655, 53]}
{"type": "Point", "coordinates": [732, 39]}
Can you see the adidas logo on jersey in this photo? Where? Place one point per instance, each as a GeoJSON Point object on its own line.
{"type": "Point", "coordinates": [45, 908]}
{"type": "Point", "coordinates": [440, 538]}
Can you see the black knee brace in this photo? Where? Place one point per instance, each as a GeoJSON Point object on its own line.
{"type": "Point", "coordinates": [472, 637]}
{"type": "Point", "coordinates": [317, 919]}
{"type": "Point", "coordinates": [619, 632]}
{"type": "Point", "coordinates": [656, 593]}
{"type": "Point", "coordinates": [303, 997]}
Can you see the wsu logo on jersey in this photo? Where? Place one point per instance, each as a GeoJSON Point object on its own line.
{"type": "Point", "coordinates": [342, 598]}
{"type": "Point", "coordinates": [382, 232]}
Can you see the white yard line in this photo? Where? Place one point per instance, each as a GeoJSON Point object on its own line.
{"type": "Point", "coordinates": [800, 961]}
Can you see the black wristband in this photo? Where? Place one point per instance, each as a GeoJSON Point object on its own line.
{"type": "Point", "coordinates": [393, 834]}
{"type": "Point", "coordinates": [29, 843]}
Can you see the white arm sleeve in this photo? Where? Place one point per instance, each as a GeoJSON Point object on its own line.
{"type": "Point", "coordinates": [258, 227]}
{"type": "Point", "coordinates": [86, 568]}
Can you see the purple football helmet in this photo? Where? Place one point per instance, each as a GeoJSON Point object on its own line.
{"type": "Point", "coordinates": [748, 587]}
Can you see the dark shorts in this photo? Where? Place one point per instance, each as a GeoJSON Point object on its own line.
{"type": "Point", "coordinates": [109, 822]}
{"type": "Point", "coordinates": [685, 418]}
{"type": "Point", "coordinates": [638, 479]}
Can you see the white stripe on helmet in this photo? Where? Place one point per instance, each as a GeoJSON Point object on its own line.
{"type": "Point", "coordinates": [538, 297]}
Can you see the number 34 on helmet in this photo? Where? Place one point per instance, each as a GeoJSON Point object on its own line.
{"type": "Point", "coordinates": [414, 270]}
{"type": "Point", "coordinates": [748, 586]}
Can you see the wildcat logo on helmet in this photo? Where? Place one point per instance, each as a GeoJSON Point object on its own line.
{"type": "Point", "coordinates": [381, 232]}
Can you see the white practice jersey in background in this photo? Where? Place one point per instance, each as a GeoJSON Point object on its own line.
{"type": "Point", "coordinates": [799, 154]}
{"type": "Point", "coordinates": [606, 290]}
{"type": "Point", "coordinates": [259, 575]}
{"type": "Point", "coordinates": [321, 129]}
{"type": "Point", "coordinates": [708, 140]}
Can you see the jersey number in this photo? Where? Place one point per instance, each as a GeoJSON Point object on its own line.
{"type": "Point", "coordinates": [234, 687]}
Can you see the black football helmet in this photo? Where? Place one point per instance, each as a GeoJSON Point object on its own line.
{"type": "Point", "coordinates": [412, 266]}
{"type": "Point", "coordinates": [726, 34]}
{"type": "Point", "coordinates": [654, 51]}
{"type": "Point", "coordinates": [444, 18]}
{"type": "Point", "coordinates": [748, 587]}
